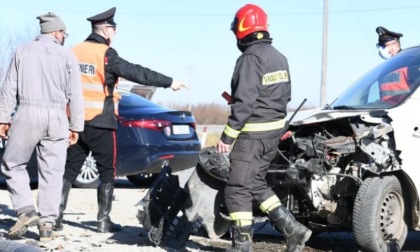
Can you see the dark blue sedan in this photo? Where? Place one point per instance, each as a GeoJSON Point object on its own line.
{"type": "Point", "coordinates": [148, 137]}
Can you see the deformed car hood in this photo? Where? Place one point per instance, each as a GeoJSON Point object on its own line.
{"type": "Point", "coordinates": [321, 115]}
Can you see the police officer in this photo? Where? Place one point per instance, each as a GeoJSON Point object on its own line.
{"type": "Point", "coordinates": [101, 66]}
{"type": "Point", "coordinates": [260, 90]}
{"type": "Point", "coordinates": [394, 86]}
{"type": "Point", "coordinates": [388, 42]}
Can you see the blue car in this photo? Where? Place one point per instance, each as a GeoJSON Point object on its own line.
{"type": "Point", "coordinates": [148, 137]}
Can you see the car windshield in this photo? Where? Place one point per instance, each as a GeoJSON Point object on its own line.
{"type": "Point", "coordinates": [385, 86]}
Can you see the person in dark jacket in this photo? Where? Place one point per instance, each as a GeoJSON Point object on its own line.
{"type": "Point", "coordinates": [101, 67]}
{"type": "Point", "coordinates": [260, 90]}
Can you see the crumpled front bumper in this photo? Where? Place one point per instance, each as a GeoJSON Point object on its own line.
{"type": "Point", "coordinates": [171, 213]}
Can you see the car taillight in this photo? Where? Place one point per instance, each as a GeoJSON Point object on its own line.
{"type": "Point", "coordinates": [166, 157]}
{"type": "Point", "coordinates": [147, 124]}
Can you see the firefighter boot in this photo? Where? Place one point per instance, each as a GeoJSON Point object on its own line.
{"type": "Point", "coordinates": [63, 203]}
{"type": "Point", "coordinates": [295, 233]}
{"type": "Point", "coordinates": [105, 195]}
{"type": "Point", "coordinates": [241, 239]}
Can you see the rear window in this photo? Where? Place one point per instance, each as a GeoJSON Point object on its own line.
{"type": "Point", "coordinates": [133, 100]}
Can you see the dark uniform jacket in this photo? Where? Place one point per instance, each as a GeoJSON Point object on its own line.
{"type": "Point", "coordinates": [260, 89]}
{"type": "Point", "coordinates": [116, 67]}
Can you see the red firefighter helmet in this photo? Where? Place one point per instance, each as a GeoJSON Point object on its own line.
{"type": "Point", "coordinates": [248, 19]}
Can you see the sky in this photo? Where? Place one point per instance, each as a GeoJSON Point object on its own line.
{"type": "Point", "coordinates": [191, 40]}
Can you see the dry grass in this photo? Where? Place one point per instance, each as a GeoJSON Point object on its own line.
{"type": "Point", "coordinates": [212, 113]}
{"type": "Point", "coordinates": [206, 113]}
{"type": "Point", "coordinates": [211, 138]}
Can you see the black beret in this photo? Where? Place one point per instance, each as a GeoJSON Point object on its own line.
{"type": "Point", "coordinates": [106, 17]}
{"type": "Point", "coordinates": [386, 35]}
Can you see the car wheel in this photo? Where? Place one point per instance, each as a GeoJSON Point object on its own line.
{"type": "Point", "coordinates": [378, 215]}
{"type": "Point", "coordinates": [89, 175]}
{"type": "Point", "coordinates": [142, 179]}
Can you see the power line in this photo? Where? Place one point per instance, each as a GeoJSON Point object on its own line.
{"type": "Point", "coordinates": [393, 9]}
{"type": "Point", "coordinates": [365, 33]}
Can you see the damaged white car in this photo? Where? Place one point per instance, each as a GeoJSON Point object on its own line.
{"type": "Point", "coordinates": [353, 165]}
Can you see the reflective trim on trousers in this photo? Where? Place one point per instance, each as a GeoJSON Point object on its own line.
{"type": "Point", "coordinates": [270, 204]}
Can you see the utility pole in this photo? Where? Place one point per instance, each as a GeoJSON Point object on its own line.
{"type": "Point", "coordinates": [323, 97]}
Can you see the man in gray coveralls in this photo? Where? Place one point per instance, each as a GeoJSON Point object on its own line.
{"type": "Point", "coordinates": [43, 86]}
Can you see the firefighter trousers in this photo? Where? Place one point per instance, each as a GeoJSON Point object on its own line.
{"type": "Point", "coordinates": [249, 163]}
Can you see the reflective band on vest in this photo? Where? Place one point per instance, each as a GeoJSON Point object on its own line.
{"type": "Point", "coordinates": [93, 87]}
{"type": "Point", "coordinates": [91, 58]}
{"type": "Point", "coordinates": [95, 105]}
{"type": "Point", "coordinates": [254, 127]}
{"type": "Point", "coordinates": [394, 83]}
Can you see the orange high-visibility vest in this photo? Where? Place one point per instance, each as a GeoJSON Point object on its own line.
{"type": "Point", "coordinates": [394, 83]}
{"type": "Point", "coordinates": [91, 58]}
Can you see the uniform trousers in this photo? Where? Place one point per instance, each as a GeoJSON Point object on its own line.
{"type": "Point", "coordinates": [249, 163]}
{"type": "Point", "coordinates": [102, 143]}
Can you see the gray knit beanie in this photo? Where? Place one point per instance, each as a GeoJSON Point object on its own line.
{"type": "Point", "coordinates": [50, 22]}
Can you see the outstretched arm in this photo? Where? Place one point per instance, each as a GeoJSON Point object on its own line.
{"type": "Point", "coordinates": [177, 85]}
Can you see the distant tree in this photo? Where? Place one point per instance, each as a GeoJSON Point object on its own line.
{"type": "Point", "coordinates": [205, 113]}
{"type": "Point", "coordinates": [212, 113]}
{"type": "Point", "coordinates": [10, 39]}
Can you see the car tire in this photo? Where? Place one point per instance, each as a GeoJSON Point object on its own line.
{"type": "Point", "coordinates": [378, 215]}
{"type": "Point", "coordinates": [89, 175]}
{"type": "Point", "coordinates": [142, 179]}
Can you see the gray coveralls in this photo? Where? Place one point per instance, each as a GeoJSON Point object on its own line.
{"type": "Point", "coordinates": [43, 79]}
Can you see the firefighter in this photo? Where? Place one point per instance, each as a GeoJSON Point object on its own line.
{"type": "Point", "coordinates": [101, 66]}
{"type": "Point", "coordinates": [260, 91]}
{"type": "Point", "coordinates": [394, 86]}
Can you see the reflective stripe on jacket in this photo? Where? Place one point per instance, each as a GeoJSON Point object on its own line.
{"type": "Point", "coordinates": [254, 127]}
{"type": "Point", "coordinates": [91, 57]}
{"type": "Point", "coordinates": [260, 89]}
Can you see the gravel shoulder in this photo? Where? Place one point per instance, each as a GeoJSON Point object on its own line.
{"type": "Point", "coordinates": [79, 233]}
{"type": "Point", "coordinates": [80, 222]}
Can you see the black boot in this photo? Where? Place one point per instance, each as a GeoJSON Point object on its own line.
{"type": "Point", "coordinates": [241, 239]}
{"type": "Point", "coordinates": [105, 195]}
{"type": "Point", "coordinates": [63, 203]}
{"type": "Point", "coordinates": [296, 234]}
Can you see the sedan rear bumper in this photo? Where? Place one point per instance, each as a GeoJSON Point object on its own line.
{"type": "Point", "coordinates": [177, 161]}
